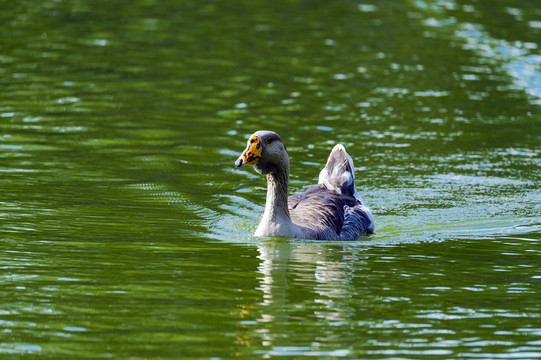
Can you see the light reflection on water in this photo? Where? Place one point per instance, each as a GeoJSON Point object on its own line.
{"type": "Point", "coordinates": [516, 58]}
{"type": "Point", "coordinates": [127, 230]}
{"type": "Point", "coordinates": [328, 272]}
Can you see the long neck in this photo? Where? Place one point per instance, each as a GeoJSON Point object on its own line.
{"type": "Point", "coordinates": [276, 207]}
{"type": "Point", "coordinates": [276, 220]}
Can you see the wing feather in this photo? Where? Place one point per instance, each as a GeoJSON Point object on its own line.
{"type": "Point", "coordinates": [328, 214]}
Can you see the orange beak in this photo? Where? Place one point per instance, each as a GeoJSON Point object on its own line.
{"type": "Point", "coordinates": [252, 154]}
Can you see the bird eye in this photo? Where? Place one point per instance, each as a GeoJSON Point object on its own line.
{"type": "Point", "coordinates": [268, 140]}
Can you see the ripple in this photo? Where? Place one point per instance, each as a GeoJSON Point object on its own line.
{"type": "Point", "coordinates": [515, 58]}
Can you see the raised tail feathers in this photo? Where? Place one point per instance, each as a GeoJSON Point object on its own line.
{"type": "Point", "coordinates": [338, 174]}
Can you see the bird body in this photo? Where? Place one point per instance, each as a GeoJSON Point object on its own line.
{"type": "Point", "coordinates": [330, 210]}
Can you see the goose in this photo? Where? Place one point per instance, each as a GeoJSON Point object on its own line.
{"type": "Point", "coordinates": [330, 210]}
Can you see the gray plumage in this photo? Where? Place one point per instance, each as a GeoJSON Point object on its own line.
{"type": "Point", "coordinates": [331, 210]}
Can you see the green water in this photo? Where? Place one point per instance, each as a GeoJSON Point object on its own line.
{"type": "Point", "coordinates": [126, 229]}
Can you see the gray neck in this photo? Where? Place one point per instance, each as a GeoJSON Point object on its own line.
{"type": "Point", "coordinates": [276, 208]}
{"type": "Point", "coordinates": [276, 220]}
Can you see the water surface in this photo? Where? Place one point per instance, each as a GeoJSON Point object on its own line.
{"type": "Point", "coordinates": [126, 228]}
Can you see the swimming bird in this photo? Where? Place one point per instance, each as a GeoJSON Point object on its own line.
{"type": "Point", "coordinates": [330, 210]}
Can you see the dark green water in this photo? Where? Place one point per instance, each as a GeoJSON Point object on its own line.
{"type": "Point", "coordinates": [126, 229]}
